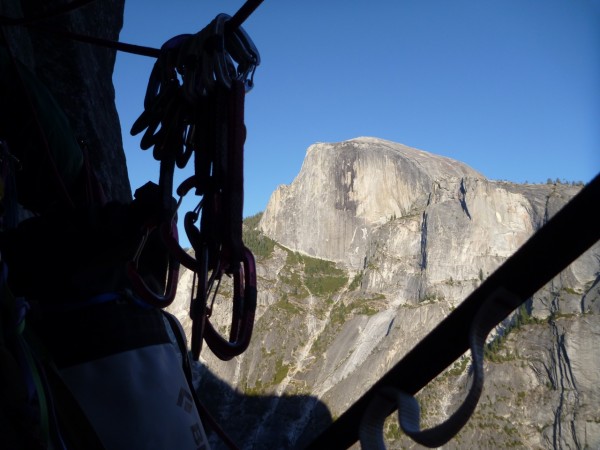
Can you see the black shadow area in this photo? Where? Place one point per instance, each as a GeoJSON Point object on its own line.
{"type": "Point", "coordinates": [259, 422]}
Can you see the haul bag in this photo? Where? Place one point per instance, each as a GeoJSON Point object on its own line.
{"type": "Point", "coordinates": [125, 371]}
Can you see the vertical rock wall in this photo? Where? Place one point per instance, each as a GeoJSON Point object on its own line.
{"type": "Point", "coordinates": [79, 75]}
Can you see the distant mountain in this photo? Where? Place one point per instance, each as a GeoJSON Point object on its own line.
{"type": "Point", "coordinates": [345, 191]}
{"type": "Point", "coordinates": [371, 246]}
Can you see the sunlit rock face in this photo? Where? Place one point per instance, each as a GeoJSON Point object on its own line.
{"type": "Point", "coordinates": [354, 196]}
{"type": "Point", "coordinates": [344, 190]}
{"type": "Point", "coordinates": [370, 247]}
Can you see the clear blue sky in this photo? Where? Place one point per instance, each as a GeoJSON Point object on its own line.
{"type": "Point", "coordinates": [511, 87]}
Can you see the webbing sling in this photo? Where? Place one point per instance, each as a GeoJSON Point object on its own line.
{"type": "Point", "coordinates": [371, 428]}
{"type": "Point", "coordinates": [567, 235]}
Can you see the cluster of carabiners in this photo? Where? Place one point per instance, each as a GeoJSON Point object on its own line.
{"type": "Point", "coordinates": [217, 55]}
{"type": "Point", "coordinates": [194, 104]}
{"type": "Point", "coordinates": [213, 58]}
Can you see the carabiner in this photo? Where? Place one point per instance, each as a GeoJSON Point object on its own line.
{"type": "Point", "coordinates": [244, 53]}
{"type": "Point", "coordinates": [243, 318]}
{"type": "Point", "coordinates": [142, 289]}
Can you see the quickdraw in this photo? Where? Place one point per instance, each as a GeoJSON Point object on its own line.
{"type": "Point", "coordinates": [194, 104]}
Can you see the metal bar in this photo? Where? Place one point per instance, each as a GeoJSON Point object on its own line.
{"type": "Point", "coordinates": [242, 14]}
{"type": "Point", "coordinates": [107, 43]}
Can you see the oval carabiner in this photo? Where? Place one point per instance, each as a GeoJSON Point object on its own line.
{"type": "Point", "coordinates": [222, 65]}
{"type": "Point", "coordinates": [243, 51]}
{"type": "Point", "coordinates": [144, 291]}
{"type": "Point", "coordinates": [243, 315]}
{"type": "Point", "coordinates": [172, 244]}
